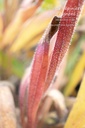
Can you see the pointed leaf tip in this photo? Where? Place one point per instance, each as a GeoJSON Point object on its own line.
{"type": "Point", "coordinates": [65, 32]}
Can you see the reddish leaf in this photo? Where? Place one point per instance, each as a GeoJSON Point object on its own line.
{"type": "Point", "coordinates": [23, 95]}
{"type": "Point", "coordinates": [38, 74]}
{"type": "Point", "coordinates": [66, 29]}
{"type": "Point", "coordinates": [37, 81]}
{"type": "Point", "coordinates": [43, 71]}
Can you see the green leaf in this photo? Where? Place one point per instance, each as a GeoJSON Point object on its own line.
{"type": "Point", "coordinates": [49, 4]}
{"type": "Point", "coordinates": [1, 5]}
{"type": "Point", "coordinates": [17, 67]}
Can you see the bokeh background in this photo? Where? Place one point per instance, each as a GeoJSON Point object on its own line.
{"type": "Point", "coordinates": [22, 24]}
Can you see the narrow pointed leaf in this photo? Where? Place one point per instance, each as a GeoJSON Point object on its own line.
{"type": "Point", "coordinates": [31, 29]}
{"type": "Point", "coordinates": [43, 71]}
{"type": "Point", "coordinates": [23, 95]}
{"type": "Point", "coordinates": [76, 118]}
{"type": "Point", "coordinates": [74, 56]}
{"type": "Point", "coordinates": [76, 76]}
{"type": "Point", "coordinates": [38, 74]}
{"type": "Point", "coordinates": [65, 32]}
{"type": "Point", "coordinates": [21, 16]}
{"type": "Point", "coordinates": [39, 70]}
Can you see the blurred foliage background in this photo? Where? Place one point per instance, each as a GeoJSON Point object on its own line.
{"type": "Point", "coordinates": [22, 24]}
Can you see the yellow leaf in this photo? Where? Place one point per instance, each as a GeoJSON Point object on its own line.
{"type": "Point", "coordinates": [76, 118]}
{"type": "Point", "coordinates": [14, 27]}
{"type": "Point", "coordinates": [1, 26]}
{"type": "Point", "coordinates": [33, 41]}
{"type": "Point", "coordinates": [76, 76]}
{"type": "Point", "coordinates": [31, 29]}
{"type": "Point", "coordinates": [83, 12]}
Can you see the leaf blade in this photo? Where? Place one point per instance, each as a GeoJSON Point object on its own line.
{"type": "Point", "coordinates": [76, 118]}
{"type": "Point", "coordinates": [63, 37]}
